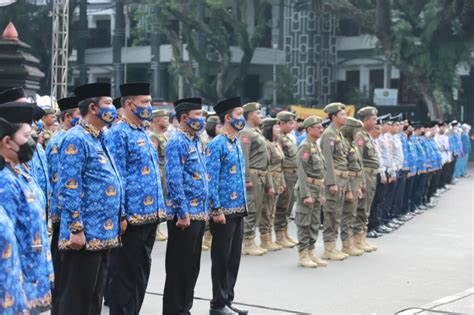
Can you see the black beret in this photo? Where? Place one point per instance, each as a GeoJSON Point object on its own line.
{"type": "Point", "coordinates": [67, 103]}
{"type": "Point", "coordinates": [17, 112]}
{"type": "Point", "coordinates": [132, 89]}
{"type": "Point", "coordinates": [227, 104]}
{"type": "Point", "coordinates": [11, 95]}
{"type": "Point", "coordinates": [92, 90]}
{"type": "Point", "coordinates": [187, 104]}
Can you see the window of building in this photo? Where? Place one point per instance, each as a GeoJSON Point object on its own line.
{"type": "Point", "coordinates": [100, 36]}
{"type": "Point", "coordinates": [376, 79]}
{"type": "Point", "coordinates": [347, 27]}
{"type": "Point", "coordinates": [352, 80]}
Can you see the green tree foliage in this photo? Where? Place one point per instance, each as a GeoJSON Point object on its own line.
{"type": "Point", "coordinates": [425, 39]}
{"type": "Point", "coordinates": [206, 30]}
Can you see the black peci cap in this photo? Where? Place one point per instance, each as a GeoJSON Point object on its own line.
{"type": "Point", "coordinates": [92, 90]}
{"type": "Point", "coordinates": [17, 112]}
{"type": "Point", "coordinates": [67, 103]}
{"type": "Point", "coordinates": [11, 94]}
{"type": "Point", "coordinates": [132, 89]}
{"type": "Point", "coordinates": [187, 104]}
{"type": "Point", "coordinates": [227, 104]}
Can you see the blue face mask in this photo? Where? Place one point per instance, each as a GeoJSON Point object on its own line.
{"type": "Point", "coordinates": [143, 113]}
{"type": "Point", "coordinates": [196, 124]}
{"type": "Point", "coordinates": [74, 121]}
{"type": "Point", "coordinates": [39, 126]}
{"type": "Point", "coordinates": [107, 114]}
{"type": "Point", "coordinates": [238, 123]}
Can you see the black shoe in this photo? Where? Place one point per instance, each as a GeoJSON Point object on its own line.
{"type": "Point", "coordinates": [392, 225]}
{"type": "Point", "coordinates": [399, 222]}
{"type": "Point", "coordinates": [372, 234]}
{"type": "Point", "coordinates": [221, 311]}
{"type": "Point", "coordinates": [387, 228]}
{"type": "Point", "coordinates": [402, 219]}
{"type": "Point", "coordinates": [381, 230]}
{"type": "Point", "coordinates": [238, 311]}
{"type": "Point", "coordinates": [422, 207]}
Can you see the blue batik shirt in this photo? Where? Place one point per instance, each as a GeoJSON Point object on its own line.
{"type": "Point", "coordinates": [186, 177]}
{"type": "Point", "coordinates": [409, 161]}
{"type": "Point", "coordinates": [455, 143]}
{"type": "Point", "coordinates": [226, 167]}
{"type": "Point", "coordinates": [39, 171]}
{"type": "Point", "coordinates": [52, 154]}
{"type": "Point", "coordinates": [137, 163]}
{"type": "Point", "coordinates": [89, 189]}
{"type": "Point", "coordinates": [12, 297]}
{"type": "Point", "coordinates": [19, 194]}
{"type": "Point", "coordinates": [420, 155]}
{"type": "Point", "coordinates": [435, 154]}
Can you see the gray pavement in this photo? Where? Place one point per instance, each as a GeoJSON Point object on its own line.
{"type": "Point", "coordinates": [427, 259]}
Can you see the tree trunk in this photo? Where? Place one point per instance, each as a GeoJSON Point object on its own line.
{"type": "Point", "coordinates": [427, 92]}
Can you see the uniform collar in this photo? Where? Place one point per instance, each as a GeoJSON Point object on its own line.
{"type": "Point", "coordinates": [127, 120]}
{"type": "Point", "coordinates": [90, 128]}
{"type": "Point", "coordinates": [189, 135]}
{"type": "Point", "coordinates": [230, 137]}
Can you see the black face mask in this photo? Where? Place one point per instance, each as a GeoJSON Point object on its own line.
{"type": "Point", "coordinates": [27, 150]}
{"type": "Point", "coordinates": [409, 133]}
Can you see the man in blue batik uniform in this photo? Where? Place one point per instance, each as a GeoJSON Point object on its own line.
{"type": "Point", "coordinates": [137, 163]}
{"type": "Point", "coordinates": [91, 200]}
{"type": "Point", "coordinates": [70, 117]}
{"type": "Point", "coordinates": [186, 206]}
{"type": "Point", "coordinates": [228, 205]}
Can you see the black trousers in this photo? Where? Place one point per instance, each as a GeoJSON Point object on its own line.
{"type": "Point", "coordinates": [129, 269]}
{"type": "Point", "coordinates": [443, 180]}
{"type": "Point", "coordinates": [387, 201]}
{"type": "Point", "coordinates": [434, 184]}
{"type": "Point", "coordinates": [399, 194]}
{"type": "Point", "coordinates": [183, 262]}
{"type": "Point", "coordinates": [375, 217]}
{"type": "Point", "coordinates": [56, 257]}
{"type": "Point", "coordinates": [82, 281]}
{"type": "Point", "coordinates": [419, 189]}
{"type": "Point", "coordinates": [408, 195]}
{"type": "Point", "coordinates": [225, 255]}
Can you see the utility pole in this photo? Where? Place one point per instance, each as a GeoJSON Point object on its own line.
{"type": "Point", "coordinates": [59, 62]}
{"type": "Point", "coordinates": [117, 44]}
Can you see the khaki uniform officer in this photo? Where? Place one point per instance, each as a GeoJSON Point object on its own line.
{"type": "Point", "coordinates": [356, 179]}
{"type": "Point", "coordinates": [275, 183]}
{"type": "Point", "coordinates": [286, 199]}
{"type": "Point", "coordinates": [370, 159]}
{"type": "Point", "coordinates": [158, 129]}
{"type": "Point", "coordinates": [334, 150]}
{"type": "Point", "coordinates": [256, 166]}
{"type": "Point", "coordinates": [309, 194]}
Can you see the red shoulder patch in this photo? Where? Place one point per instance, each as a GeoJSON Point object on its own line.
{"type": "Point", "coordinates": [246, 139]}
{"type": "Point", "coordinates": [305, 155]}
{"type": "Point", "coordinates": [360, 142]}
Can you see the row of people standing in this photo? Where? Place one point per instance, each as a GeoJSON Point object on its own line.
{"type": "Point", "coordinates": [107, 200]}
{"type": "Point", "coordinates": [418, 160]}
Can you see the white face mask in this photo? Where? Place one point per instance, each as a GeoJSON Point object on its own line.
{"type": "Point", "coordinates": [436, 129]}
{"type": "Point", "coordinates": [428, 134]}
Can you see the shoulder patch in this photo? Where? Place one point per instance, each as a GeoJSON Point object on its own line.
{"type": "Point", "coordinates": [246, 139]}
{"type": "Point", "coordinates": [305, 156]}
{"type": "Point", "coordinates": [360, 142]}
